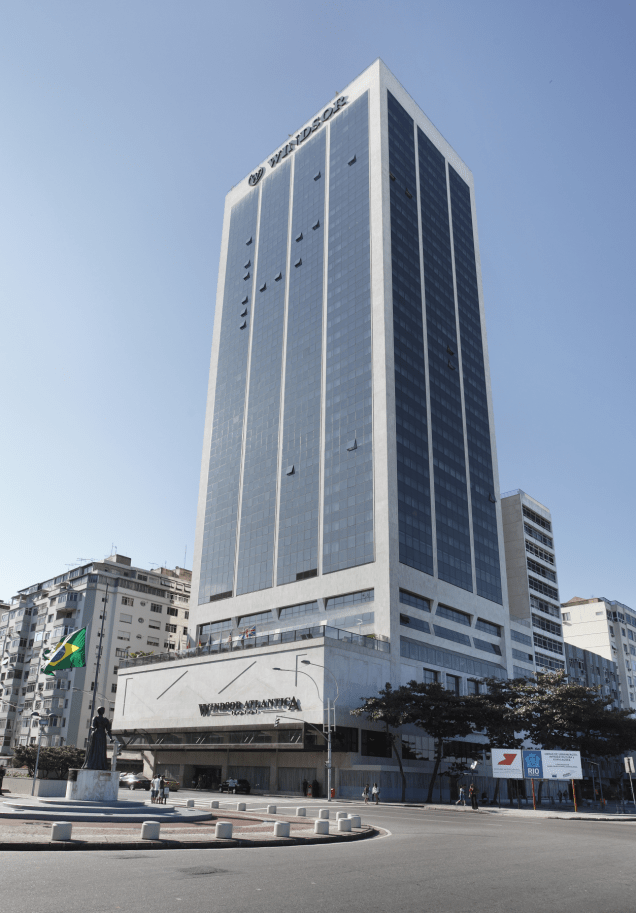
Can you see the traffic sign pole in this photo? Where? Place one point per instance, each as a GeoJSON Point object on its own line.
{"type": "Point", "coordinates": [629, 767]}
{"type": "Point", "coordinates": [534, 800]}
{"type": "Point", "coordinates": [574, 793]}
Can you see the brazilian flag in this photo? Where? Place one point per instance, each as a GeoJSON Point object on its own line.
{"type": "Point", "coordinates": [69, 652]}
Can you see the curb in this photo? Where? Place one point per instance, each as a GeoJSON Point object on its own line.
{"type": "Point", "coordinates": [77, 845]}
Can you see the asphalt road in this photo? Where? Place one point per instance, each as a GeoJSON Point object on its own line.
{"type": "Point", "coordinates": [441, 861]}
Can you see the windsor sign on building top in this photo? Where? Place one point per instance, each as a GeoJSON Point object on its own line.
{"type": "Point", "coordinates": [299, 138]}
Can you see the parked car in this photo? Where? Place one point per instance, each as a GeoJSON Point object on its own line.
{"type": "Point", "coordinates": [133, 781]}
{"type": "Point", "coordinates": [173, 785]}
{"type": "Point", "coordinates": [242, 786]}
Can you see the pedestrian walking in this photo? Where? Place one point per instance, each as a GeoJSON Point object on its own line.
{"type": "Point", "coordinates": [375, 793]}
{"type": "Point", "coordinates": [472, 794]}
{"type": "Point", "coordinates": [162, 784]}
{"type": "Point", "coordinates": [166, 793]}
{"type": "Point", "coordinates": [154, 790]}
{"type": "Point", "coordinates": [462, 796]}
{"type": "Point", "coordinates": [365, 793]}
{"type": "Point", "coordinates": [305, 786]}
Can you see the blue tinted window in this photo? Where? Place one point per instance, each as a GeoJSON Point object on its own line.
{"type": "Point", "coordinates": [299, 493]}
{"type": "Point", "coordinates": [482, 487]}
{"type": "Point", "coordinates": [447, 430]}
{"type": "Point", "coordinates": [219, 535]}
{"type": "Point", "coordinates": [258, 503]}
{"type": "Point", "coordinates": [414, 500]}
{"type": "Point", "coordinates": [348, 504]}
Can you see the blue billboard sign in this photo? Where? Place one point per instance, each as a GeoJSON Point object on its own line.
{"type": "Point", "coordinates": [532, 764]}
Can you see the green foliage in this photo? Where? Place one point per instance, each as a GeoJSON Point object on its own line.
{"type": "Point", "coordinates": [444, 716]}
{"type": "Point", "coordinates": [555, 714]}
{"type": "Point", "coordinates": [548, 712]}
{"type": "Point", "coordinates": [55, 761]}
{"type": "Point", "coordinates": [389, 706]}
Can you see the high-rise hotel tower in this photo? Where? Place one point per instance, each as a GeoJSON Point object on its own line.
{"type": "Point", "coordinates": [349, 437]}
{"type": "Point", "coordinates": [349, 498]}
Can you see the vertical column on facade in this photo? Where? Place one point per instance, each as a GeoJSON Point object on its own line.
{"type": "Point", "coordinates": [454, 563]}
{"type": "Point", "coordinates": [478, 426]}
{"type": "Point", "coordinates": [460, 363]}
{"type": "Point", "coordinates": [283, 387]}
{"type": "Point", "coordinates": [298, 539]}
{"type": "Point", "coordinates": [323, 365]}
{"type": "Point", "coordinates": [221, 511]}
{"type": "Point", "coordinates": [348, 467]}
{"type": "Point", "coordinates": [255, 565]}
{"type": "Point", "coordinates": [411, 407]}
{"type": "Point", "coordinates": [250, 307]}
{"type": "Point", "coordinates": [425, 332]}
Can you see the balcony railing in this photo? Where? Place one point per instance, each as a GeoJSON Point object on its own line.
{"type": "Point", "coordinates": [231, 644]}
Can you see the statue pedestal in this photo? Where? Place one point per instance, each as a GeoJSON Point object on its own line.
{"type": "Point", "coordinates": [93, 785]}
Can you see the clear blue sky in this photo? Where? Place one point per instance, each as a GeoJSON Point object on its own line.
{"type": "Point", "coordinates": [124, 124]}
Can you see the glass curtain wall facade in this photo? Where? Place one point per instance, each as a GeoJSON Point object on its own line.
{"type": "Point", "coordinates": [265, 459]}
{"type": "Point", "coordinates": [348, 511]}
{"type": "Point", "coordinates": [445, 233]}
{"type": "Point", "coordinates": [292, 489]}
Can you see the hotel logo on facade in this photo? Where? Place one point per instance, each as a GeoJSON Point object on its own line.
{"type": "Point", "coordinates": [243, 708]}
{"type": "Point", "coordinates": [299, 138]}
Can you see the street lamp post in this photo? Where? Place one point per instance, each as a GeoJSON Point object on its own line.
{"type": "Point", "coordinates": [600, 780]}
{"type": "Point", "coordinates": [42, 723]}
{"type": "Point", "coordinates": [330, 727]}
{"type": "Point", "coordinates": [307, 662]}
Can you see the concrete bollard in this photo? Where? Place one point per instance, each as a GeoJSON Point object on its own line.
{"type": "Point", "coordinates": [240, 806]}
{"type": "Point", "coordinates": [356, 820]}
{"type": "Point", "coordinates": [214, 803]}
{"type": "Point", "coordinates": [321, 826]}
{"type": "Point", "coordinates": [341, 815]}
{"type": "Point", "coordinates": [344, 824]}
{"type": "Point", "coordinates": [61, 830]}
{"type": "Point", "coordinates": [281, 829]}
{"type": "Point", "coordinates": [223, 830]}
{"type": "Point", "coordinates": [323, 813]}
{"type": "Point", "coordinates": [301, 812]}
{"type": "Point", "coordinates": [190, 803]}
{"type": "Point", "coordinates": [271, 809]}
{"type": "Point", "coordinates": [150, 830]}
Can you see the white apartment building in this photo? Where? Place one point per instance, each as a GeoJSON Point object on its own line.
{"type": "Point", "coordinates": [533, 595]}
{"type": "Point", "coordinates": [126, 610]}
{"type": "Point", "coordinates": [608, 628]}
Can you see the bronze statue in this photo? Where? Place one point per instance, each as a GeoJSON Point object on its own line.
{"type": "Point", "coordinates": [96, 752]}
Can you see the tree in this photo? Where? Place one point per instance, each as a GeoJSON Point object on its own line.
{"type": "Point", "coordinates": [390, 707]}
{"type": "Point", "coordinates": [56, 760]}
{"type": "Point", "coordinates": [558, 715]}
{"type": "Point", "coordinates": [443, 715]}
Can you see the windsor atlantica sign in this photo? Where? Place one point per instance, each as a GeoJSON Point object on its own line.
{"type": "Point", "coordinates": [241, 708]}
{"type": "Point", "coordinates": [300, 138]}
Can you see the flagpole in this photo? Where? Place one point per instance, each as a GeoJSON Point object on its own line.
{"type": "Point", "coordinates": [99, 651]}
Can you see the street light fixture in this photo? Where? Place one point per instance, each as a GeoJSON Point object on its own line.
{"type": "Point", "coordinates": [306, 662]}
{"type": "Point", "coordinates": [330, 726]}
{"type": "Point", "coordinates": [600, 781]}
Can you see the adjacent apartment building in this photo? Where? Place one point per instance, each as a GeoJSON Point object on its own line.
{"type": "Point", "coordinates": [349, 527]}
{"type": "Point", "coordinates": [125, 609]}
{"type": "Point", "coordinates": [533, 589]}
{"type": "Point", "coordinates": [607, 628]}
